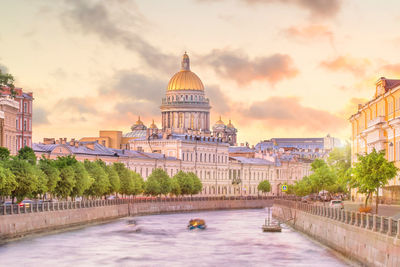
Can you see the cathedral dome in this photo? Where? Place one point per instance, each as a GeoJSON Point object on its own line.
{"type": "Point", "coordinates": [138, 125]}
{"type": "Point", "coordinates": [185, 79]}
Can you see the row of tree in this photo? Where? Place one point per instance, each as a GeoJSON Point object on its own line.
{"type": "Point", "coordinates": [336, 175]}
{"type": "Point", "coordinates": [23, 176]}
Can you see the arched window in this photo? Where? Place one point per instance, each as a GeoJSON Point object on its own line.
{"type": "Point", "coordinates": [191, 97]}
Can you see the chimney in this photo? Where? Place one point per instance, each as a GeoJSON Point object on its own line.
{"type": "Point", "coordinates": [49, 141]}
{"type": "Point", "coordinates": [76, 144]}
{"type": "Point", "coordinates": [360, 106]}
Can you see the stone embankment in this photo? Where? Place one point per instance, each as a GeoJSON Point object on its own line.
{"type": "Point", "coordinates": [16, 221]}
{"type": "Point", "coordinates": [369, 239]}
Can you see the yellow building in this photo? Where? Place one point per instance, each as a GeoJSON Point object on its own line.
{"type": "Point", "coordinates": [377, 125]}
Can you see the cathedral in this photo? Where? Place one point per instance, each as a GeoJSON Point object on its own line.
{"type": "Point", "coordinates": [185, 110]}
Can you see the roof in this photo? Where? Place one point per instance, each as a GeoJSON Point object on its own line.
{"type": "Point", "coordinates": [300, 143]}
{"type": "Point", "coordinates": [136, 133]}
{"type": "Point", "coordinates": [142, 155]}
{"type": "Point", "coordinates": [81, 149]}
{"type": "Point", "coordinates": [391, 83]}
{"type": "Point", "coordinates": [240, 149]}
{"type": "Point", "coordinates": [256, 161]}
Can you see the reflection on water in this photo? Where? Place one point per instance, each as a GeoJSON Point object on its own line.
{"type": "Point", "coordinates": [232, 238]}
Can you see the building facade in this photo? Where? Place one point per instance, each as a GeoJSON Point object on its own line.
{"type": "Point", "coordinates": [23, 121]}
{"type": "Point", "coordinates": [8, 132]}
{"type": "Point", "coordinates": [376, 124]}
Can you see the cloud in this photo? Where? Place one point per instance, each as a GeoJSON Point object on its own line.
{"type": "Point", "coordinates": [219, 101]}
{"type": "Point", "coordinates": [351, 106]}
{"type": "Point", "coordinates": [135, 86]}
{"type": "Point", "coordinates": [356, 66]}
{"type": "Point", "coordinates": [309, 32]}
{"type": "Point", "coordinates": [393, 69]}
{"type": "Point", "coordinates": [287, 112]}
{"type": "Point", "coordinates": [40, 116]}
{"type": "Point", "coordinates": [316, 8]}
{"type": "Point", "coordinates": [106, 19]}
{"type": "Point", "coordinates": [237, 66]}
{"type": "Point", "coordinates": [79, 105]}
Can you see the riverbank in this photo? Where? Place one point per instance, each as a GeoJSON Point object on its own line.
{"type": "Point", "coordinates": [49, 218]}
{"type": "Point", "coordinates": [353, 234]}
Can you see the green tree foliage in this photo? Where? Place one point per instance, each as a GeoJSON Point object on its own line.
{"type": "Point", "coordinates": [340, 162]}
{"type": "Point", "coordinates": [52, 173]}
{"type": "Point", "coordinates": [8, 81]}
{"type": "Point", "coordinates": [113, 178]}
{"type": "Point", "coordinates": [152, 187]}
{"type": "Point", "coordinates": [127, 185]}
{"type": "Point", "coordinates": [4, 153]}
{"type": "Point", "coordinates": [41, 186]}
{"type": "Point", "coordinates": [185, 183]}
{"type": "Point", "coordinates": [138, 183]}
{"type": "Point", "coordinates": [83, 180]}
{"type": "Point", "coordinates": [27, 153]}
{"type": "Point", "coordinates": [66, 183]}
{"type": "Point", "coordinates": [175, 188]}
{"type": "Point", "coordinates": [25, 177]}
{"type": "Point", "coordinates": [7, 181]}
{"type": "Point", "coordinates": [303, 187]}
{"type": "Point", "coordinates": [163, 180]}
{"type": "Point", "coordinates": [197, 185]}
{"type": "Point", "coordinates": [101, 184]}
{"type": "Point", "coordinates": [322, 177]}
{"type": "Point", "coordinates": [372, 172]}
{"type": "Point", "coordinates": [264, 186]}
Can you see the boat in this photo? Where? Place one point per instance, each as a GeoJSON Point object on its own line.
{"type": "Point", "coordinates": [197, 224]}
{"type": "Point", "coordinates": [270, 226]}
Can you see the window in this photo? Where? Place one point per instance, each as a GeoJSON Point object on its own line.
{"type": "Point", "coordinates": [25, 125]}
{"type": "Point", "coordinates": [183, 156]}
{"type": "Point", "coordinates": [103, 142]}
{"type": "Point", "coordinates": [16, 124]}
{"type": "Point", "coordinates": [390, 107]}
{"type": "Point", "coordinates": [25, 107]}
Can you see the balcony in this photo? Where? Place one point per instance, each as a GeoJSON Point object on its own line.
{"type": "Point", "coordinates": [375, 121]}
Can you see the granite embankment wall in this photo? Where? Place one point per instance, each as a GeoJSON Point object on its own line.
{"type": "Point", "coordinates": [370, 240]}
{"type": "Point", "coordinates": [16, 222]}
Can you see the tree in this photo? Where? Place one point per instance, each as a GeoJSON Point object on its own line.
{"type": "Point", "coordinates": [101, 184]}
{"type": "Point", "coordinates": [113, 178]}
{"type": "Point", "coordinates": [185, 183]}
{"type": "Point", "coordinates": [7, 182]}
{"type": "Point", "coordinates": [372, 172]}
{"type": "Point", "coordinates": [152, 187]}
{"type": "Point", "coordinates": [175, 188]}
{"type": "Point", "coordinates": [264, 186]}
{"type": "Point", "coordinates": [83, 180]}
{"type": "Point", "coordinates": [41, 186]}
{"type": "Point", "coordinates": [322, 176]}
{"type": "Point", "coordinates": [127, 185]}
{"type": "Point", "coordinates": [138, 183]}
{"type": "Point", "coordinates": [7, 80]}
{"type": "Point", "coordinates": [163, 179]}
{"type": "Point", "coordinates": [66, 183]}
{"type": "Point", "coordinates": [197, 185]}
{"type": "Point", "coordinates": [4, 153]}
{"type": "Point", "coordinates": [25, 177]}
{"type": "Point", "coordinates": [52, 173]}
{"type": "Point", "coordinates": [340, 162]}
{"type": "Point", "coordinates": [27, 153]}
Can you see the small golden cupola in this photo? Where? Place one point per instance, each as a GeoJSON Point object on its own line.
{"type": "Point", "coordinates": [139, 125]}
{"type": "Point", "coordinates": [153, 125]}
{"type": "Point", "coordinates": [230, 125]}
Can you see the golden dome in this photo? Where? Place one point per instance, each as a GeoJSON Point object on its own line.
{"type": "Point", "coordinates": [139, 122]}
{"type": "Point", "coordinates": [153, 126]}
{"type": "Point", "coordinates": [219, 122]}
{"type": "Point", "coordinates": [230, 125]}
{"type": "Point", "coordinates": [185, 79]}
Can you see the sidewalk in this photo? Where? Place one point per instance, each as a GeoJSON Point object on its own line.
{"type": "Point", "coordinates": [383, 209]}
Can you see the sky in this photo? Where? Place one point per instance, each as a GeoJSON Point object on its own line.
{"type": "Point", "coordinates": [276, 68]}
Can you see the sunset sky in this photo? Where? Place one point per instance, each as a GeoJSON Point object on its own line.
{"type": "Point", "coordinates": [277, 68]}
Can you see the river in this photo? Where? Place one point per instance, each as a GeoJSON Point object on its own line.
{"type": "Point", "coordinates": [232, 238]}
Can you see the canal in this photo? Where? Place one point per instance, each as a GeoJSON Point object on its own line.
{"type": "Point", "coordinates": [233, 238]}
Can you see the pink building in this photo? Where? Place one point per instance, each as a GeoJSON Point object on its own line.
{"type": "Point", "coordinates": [23, 121]}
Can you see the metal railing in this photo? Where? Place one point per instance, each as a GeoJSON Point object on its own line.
{"type": "Point", "coordinates": [66, 205]}
{"type": "Point", "coordinates": [372, 222]}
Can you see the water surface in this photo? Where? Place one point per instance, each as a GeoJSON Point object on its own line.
{"type": "Point", "coordinates": [233, 238]}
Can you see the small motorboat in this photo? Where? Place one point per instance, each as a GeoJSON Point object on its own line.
{"type": "Point", "coordinates": [270, 226]}
{"type": "Point", "coordinates": [197, 224]}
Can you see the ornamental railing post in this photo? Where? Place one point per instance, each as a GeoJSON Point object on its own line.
{"type": "Point", "coordinates": [390, 226]}
{"type": "Point", "coordinates": [382, 230]}
{"type": "Point", "coordinates": [374, 223]}
{"type": "Point", "coordinates": [367, 224]}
